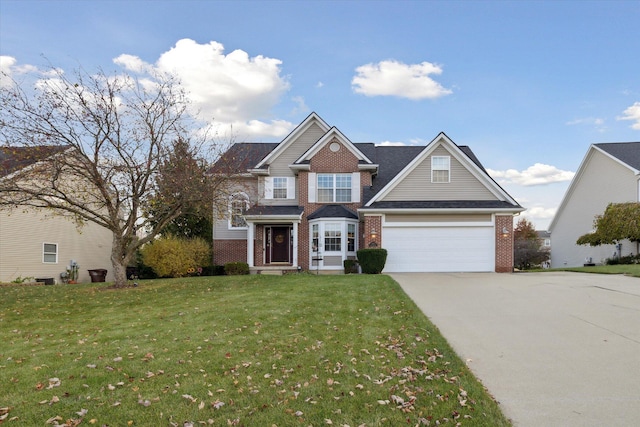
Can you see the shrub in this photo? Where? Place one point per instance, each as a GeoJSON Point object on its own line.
{"type": "Point", "coordinates": [627, 259]}
{"type": "Point", "coordinates": [213, 270]}
{"type": "Point", "coordinates": [372, 260]}
{"type": "Point", "coordinates": [236, 268]}
{"type": "Point", "coordinates": [350, 266]}
{"type": "Point", "coordinates": [175, 257]}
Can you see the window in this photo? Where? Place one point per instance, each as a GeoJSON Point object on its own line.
{"type": "Point", "coordinates": [238, 205]}
{"type": "Point", "coordinates": [351, 237]}
{"type": "Point", "coordinates": [50, 253]}
{"type": "Point", "coordinates": [280, 188]}
{"type": "Point", "coordinates": [333, 237]}
{"type": "Point", "coordinates": [334, 187]}
{"type": "Point", "coordinates": [547, 242]}
{"type": "Point", "coordinates": [440, 168]}
{"type": "Point", "coordinates": [314, 238]}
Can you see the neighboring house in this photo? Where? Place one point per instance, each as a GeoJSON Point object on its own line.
{"type": "Point", "coordinates": [312, 200]}
{"type": "Point", "coordinates": [35, 243]}
{"type": "Point", "coordinates": [609, 173]}
{"type": "Point", "coordinates": [544, 240]}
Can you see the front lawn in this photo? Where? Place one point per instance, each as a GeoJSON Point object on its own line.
{"type": "Point", "coordinates": [243, 350]}
{"type": "Point", "coordinates": [628, 269]}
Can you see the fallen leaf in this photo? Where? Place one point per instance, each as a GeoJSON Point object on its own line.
{"type": "Point", "coordinates": [82, 412]}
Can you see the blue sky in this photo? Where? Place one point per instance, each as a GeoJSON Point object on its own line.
{"type": "Point", "coordinates": [527, 85]}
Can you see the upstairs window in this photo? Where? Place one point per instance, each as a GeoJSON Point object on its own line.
{"type": "Point", "coordinates": [440, 168]}
{"type": "Point", "coordinates": [334, 188]}
{"type": "Point", "coordinates": [279, 188]}
{"type": "Point", "coordinates": [237, 206]}
{"type": "Point", "coordinates": [50, 253]}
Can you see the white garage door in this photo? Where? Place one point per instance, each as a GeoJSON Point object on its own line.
{"type": "Point", "coordinates": [439, 249]}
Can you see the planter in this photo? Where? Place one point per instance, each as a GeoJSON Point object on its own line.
{"type": "Point", "coordinates": [98, 275]}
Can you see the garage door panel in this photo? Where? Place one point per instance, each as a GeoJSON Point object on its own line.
{"type": "Point", "coordinates": [439, 249]}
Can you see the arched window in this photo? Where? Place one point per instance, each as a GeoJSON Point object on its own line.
{"type": "Point", "coordinates": [238, 204]}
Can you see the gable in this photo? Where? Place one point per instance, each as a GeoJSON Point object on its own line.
{"type": "Point", "coordinates": [417, 184]}
{"type": "Point", "coordinates": [279, 166]}
{"type": "Point", "coordinates": [468, 180]}
{"type": "Point", "coordinates": [297, 142]}
{"type": "Point", "coordinates": [600, 179]}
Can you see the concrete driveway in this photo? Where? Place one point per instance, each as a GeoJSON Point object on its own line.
{"type": "Point", "coordinates": [555, 349]}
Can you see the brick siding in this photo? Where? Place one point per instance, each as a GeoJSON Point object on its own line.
{"type": "Point", "coordinates": [225, 251]}
{"type": "Point", "coordinates": [504, 244]}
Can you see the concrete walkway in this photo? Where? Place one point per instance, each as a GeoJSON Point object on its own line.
{"type": "Point", "coordinates": [555, 349]}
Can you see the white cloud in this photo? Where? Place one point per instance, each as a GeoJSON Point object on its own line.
{"type": "Point", "coordinates": [632, 113]}
{"type": "Point", "coordinates": [300, 107]}
{"type": "Point", "coordinates": [9, 69]}
{"type": "Point", "coordinates": [391, 144]}
{"type": "Point", "coordinates": [393, 78]}
{"type": "Point", "coordinates": [538, 174]}
{"type": "Point", "coordinates": [596, 122]}
{"type": "Point", "coordinates": [232, 89]}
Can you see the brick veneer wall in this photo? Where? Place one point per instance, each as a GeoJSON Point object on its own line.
{"type": "Point", "coordinates": [371, 223]}
{"type": "Point", "coordinates": [225, 251]}
{"type": "Point", "coordinates": [504, 244]}
{"type": "Point", "coordinates": [325, 161]}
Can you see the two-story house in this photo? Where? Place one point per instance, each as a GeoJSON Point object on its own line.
{"type": "Point", "coordinates": [314, 199]}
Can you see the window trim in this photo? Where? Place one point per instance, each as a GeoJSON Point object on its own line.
{"type": "Point", "coordinates": [45, 253]}
{"type": "Point", "coordinates": [435, 167]}
{"type": "Point", "coordinates": [284, 182]}
{"type": "Point", "coordinates": [317, 244]}
{"type": "Point", "coordinates": [334, 187]}
{"type": "Point", "coordinates": [238, 198]}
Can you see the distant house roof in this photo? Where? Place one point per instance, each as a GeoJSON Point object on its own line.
{"type": "Point", "coordinates": [13, 159]}
{"type": "Point", "coordinates": [627, 152]}
{"type": "Point", "coordinates": [542, 234]}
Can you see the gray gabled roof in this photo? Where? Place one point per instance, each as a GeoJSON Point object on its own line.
{"type": "Point", "coordinates": [274, 211]}
{"type": "Point", "coordinates": [441, 204]}
{"type": "Point", "coordinates": [333, 211]}
{"type": "Point", "coordinates": [13, 159]}
{"type": "Point", "coordinates": [626, 152]}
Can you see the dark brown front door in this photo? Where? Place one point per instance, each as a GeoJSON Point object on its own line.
{"type": "Point", "coordinates": [280, 244]}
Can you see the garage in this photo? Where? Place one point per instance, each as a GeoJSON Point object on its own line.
{"type": "Point", "coordinates": [438, 248]}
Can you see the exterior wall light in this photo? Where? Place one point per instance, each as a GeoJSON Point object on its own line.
{"type": "Point", "coordinates": [505, 232]}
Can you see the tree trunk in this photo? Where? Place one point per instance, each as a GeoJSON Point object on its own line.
{"type": "Point", "coordinates": [119, 263]}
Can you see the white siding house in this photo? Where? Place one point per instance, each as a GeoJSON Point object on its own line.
{"type": "Point", "coordinates": [609, 173]}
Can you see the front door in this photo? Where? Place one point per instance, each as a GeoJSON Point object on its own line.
{"type": "Point", "coordinates": [280, 245]}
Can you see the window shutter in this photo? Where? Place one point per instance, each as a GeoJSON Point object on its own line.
{"type": "Point", "coordinates": [291, 187]}
{"type": "Point", "coordinates": [311, 196]}
{"type": "Point", "coordinates": [268, 187]}
{"type": "Point", "coordinates": [355, 187]}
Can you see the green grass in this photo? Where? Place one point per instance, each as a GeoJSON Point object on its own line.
{"type": "Point", "coordinates": [629, 269]}
{"type": "Point", "coordinates": [244, 350]}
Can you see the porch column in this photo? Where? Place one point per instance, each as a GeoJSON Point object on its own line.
{"type": "Point", "coordinates": [250, 239]}
{"type": "Point", "coordinates": [295, 244]}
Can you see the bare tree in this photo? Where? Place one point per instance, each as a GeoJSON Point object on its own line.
{"type": "Point", "coordinates": [124, 142]}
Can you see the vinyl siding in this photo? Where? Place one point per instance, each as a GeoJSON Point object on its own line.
{"type": "Point", "coordinates": [280, 165]}
{"type": "Point", "coordinates": [418, 186]}
{"type": "Point", "coordinates": [601, 181]}
{"type": "Point", "coordinates": [22, 234]}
